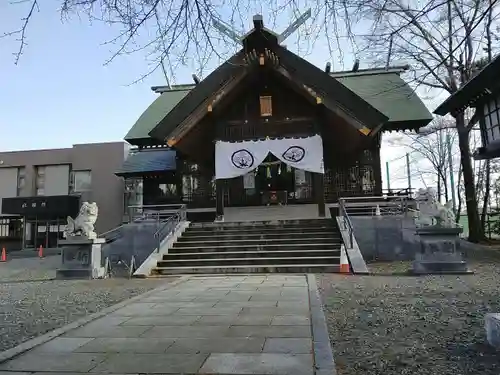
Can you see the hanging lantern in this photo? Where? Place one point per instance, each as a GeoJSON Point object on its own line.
{"type": "Point", "coordinates": [288, 168]}
{"type": "Point", "coordinates": [279, 169]}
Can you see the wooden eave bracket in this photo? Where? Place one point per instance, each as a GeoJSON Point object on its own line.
{"type": "Point", "coordinates": [319, 99]}
{"type": "Point", "coordinates": [346, 115]}
{"type": "Point", "coordinates": [217, 98]}
{"type": "Point", "coordinates": [339, 111]}
{"type": "Point", "coordinates": [253, 57]}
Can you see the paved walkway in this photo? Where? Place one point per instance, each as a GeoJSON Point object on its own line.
{"type": "Point", "coordinates": [202, 325]}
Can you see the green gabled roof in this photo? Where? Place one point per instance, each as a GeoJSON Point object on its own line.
{"type": "Point", "coordinates": [162, 105]}
{"type": "Point", "coordinates": [390, 94]}
{"type": "Point", "coordinates": [383, 89]}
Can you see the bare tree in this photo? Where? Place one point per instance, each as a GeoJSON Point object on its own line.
{"type": "Point", "coordinates": [441, 39]}
{"type": "Point", "coordinates": [171, 33]}
{"type": "Point", "coordinates": [430, 152]}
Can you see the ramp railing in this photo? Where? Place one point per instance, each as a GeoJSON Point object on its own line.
{"type": "Point", "coordinates": [128, 245]}
{"type": "Point", "coordinates": [346, 223]}
{"type": "Point", "coordinates": [385, 205]}
{"type": "Point", "coordinates": [377, 205]}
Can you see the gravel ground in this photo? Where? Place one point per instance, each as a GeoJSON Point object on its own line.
{"type": "Point", "coordinates": [23, 269]}
{"type": "Point", "coordinates": [412, 325]}
{"type": "Point", "coordinates": [31, 308]}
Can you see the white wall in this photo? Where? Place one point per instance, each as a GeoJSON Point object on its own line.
{"type": "Point", "coordinates": [8, 184]}
{"type": "Point", "coordinates": [56, 180]}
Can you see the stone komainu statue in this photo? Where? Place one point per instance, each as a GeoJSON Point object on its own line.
{"type": "Point", "coordinates": [431, 211]}
{"type": "Point", "coordinates": [83, 224]}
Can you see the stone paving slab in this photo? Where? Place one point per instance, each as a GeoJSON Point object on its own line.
{"type": "Point", "coordinates": [126, 345]}
{"type": "Point", "coordinates": [152, 363]}
{"type": "Point", "coordinates": [288, 345]}
{"type": "Point", "coordinates": [221, 345]}
{"type": "Point", "coordinates": [264, 363]}
{"type": "Point", "coordinates": [77, 362]}
{"type": "Point", "coordinates": [203, 325]}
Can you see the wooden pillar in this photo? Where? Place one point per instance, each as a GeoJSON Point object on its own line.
{"type": "Point", "coordinates": [319, 191]}
{"type": "Point", "coordinates": [219, 198]}
{"type": "Point", "coordinates": [179, 172]}
{"type": "Point", "coordinates": [377, 168]}
{"type": "Point", "coordinates": [318, 178]}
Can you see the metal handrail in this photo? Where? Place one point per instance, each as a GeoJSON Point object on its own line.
{"type": "Point", "coordinates": [407, 190]}
{"type": "Point", "coordinates": [346, 221]}
{"type": "Point", "coordinates": [375, 197]}
{"type": "Point", "coordinates": [156, 211]}
{"type": "Point", "coordinates": [385, 204]}
{"type": "Point", "coordinates": [178, 216]}
{"type": "Point", "coordinates": [142, 218]}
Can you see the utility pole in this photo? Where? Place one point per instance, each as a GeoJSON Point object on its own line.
{"type": "Point", "coordinates": [388, 178]}
{"type": "Point", "coordinates": [450, 166]}
{"type": "Point", "coordinates": [408, 171]}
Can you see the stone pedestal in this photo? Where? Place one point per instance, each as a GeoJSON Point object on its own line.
{"type": "Point", "coordinates": [81, 259]}
{"type": "Point", "coordinates": [439, 252]}
{"type": "Point", "coordinates": [492, 326]}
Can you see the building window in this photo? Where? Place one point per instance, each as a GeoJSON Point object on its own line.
{"type": "Point", "coordinates": [189, 187]}
{"type": "Point", "coordinates": [4, 227]}
{"type": "Point", "coordinates": [81, 181]}
{"type": "Point", "coordinates": [168, 190]}
{"type": "Point", "coordinates": [21, 180]}
{"type": "Point", "coordinates": [492, 119]}
{"type": "Point", "coordinates": [133, 192]}
{"type": "Point", "coordinates": [11, 228]}
{"type": "Point", "coordinates": [40, 180]}
{"type": "Point", "coordinates": [266, 106]}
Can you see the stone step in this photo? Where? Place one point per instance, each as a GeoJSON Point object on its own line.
{"type": "Point", "coordinates": [231, 247]}
{"type": "Point", "coordinates": [219, 226]}
{"type": "Point", "coordinates": [245, 268]}
{"type": "Point", "coordinates": [259, 261]}
{"type": "Point", "coordinates": [257, 241]}
{"type": "Point", "coordinates": [251, 254]}
{"type": "Point", "coordinates": [268, 229]}
{"type": "Point", "coordinates": [189, 236]}
{"type": "Point", "coordinates": [294, 222]}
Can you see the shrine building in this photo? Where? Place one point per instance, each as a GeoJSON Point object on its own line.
{"type": "Point", "coordinates": [268, 127]}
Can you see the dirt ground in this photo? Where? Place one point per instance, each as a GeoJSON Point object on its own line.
{"type": "Point", "coordinates": [392, 325]}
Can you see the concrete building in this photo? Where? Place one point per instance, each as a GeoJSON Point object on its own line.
{"type": "Point", "coordinates": [40, 188]}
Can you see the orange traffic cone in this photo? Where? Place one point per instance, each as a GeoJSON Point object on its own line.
{"type": "Point", "coordinates": [40, 252]}
{"type": "Point", "coordinates": [344, 262]}
{"type": "Point", "coordinates": [3, 257]}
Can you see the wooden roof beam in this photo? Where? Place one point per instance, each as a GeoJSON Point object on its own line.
{"type": "Point", "coordinates": [330, 104]}
{"type": "Point", "coordinates": [206, 107]}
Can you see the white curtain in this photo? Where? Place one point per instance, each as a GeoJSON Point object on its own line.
{"type": "Point", "coordinates": [300, 153]}
{"type": "Point", "coordinates": [233, 159]}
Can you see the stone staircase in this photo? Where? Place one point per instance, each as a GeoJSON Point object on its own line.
{"type": "Point", "coordinates": [291, 246]}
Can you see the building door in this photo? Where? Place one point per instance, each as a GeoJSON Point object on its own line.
{"type": "Point", "coordinates": [46, 233]}
{"type": "Point", "coordinates": [274, 181]}
{"type": "Point", "coordinates": [41, 237]}
{"type": "Point", "coordinates": [53, 233]}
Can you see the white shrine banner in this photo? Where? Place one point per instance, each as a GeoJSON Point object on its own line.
{"type": "Point", "coordinates": [300, 153]}
{"type": "Point", "coordinates": [233, 159]}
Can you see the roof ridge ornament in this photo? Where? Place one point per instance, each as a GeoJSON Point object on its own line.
{"type": "Point", "coordinates": [258, 22]}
